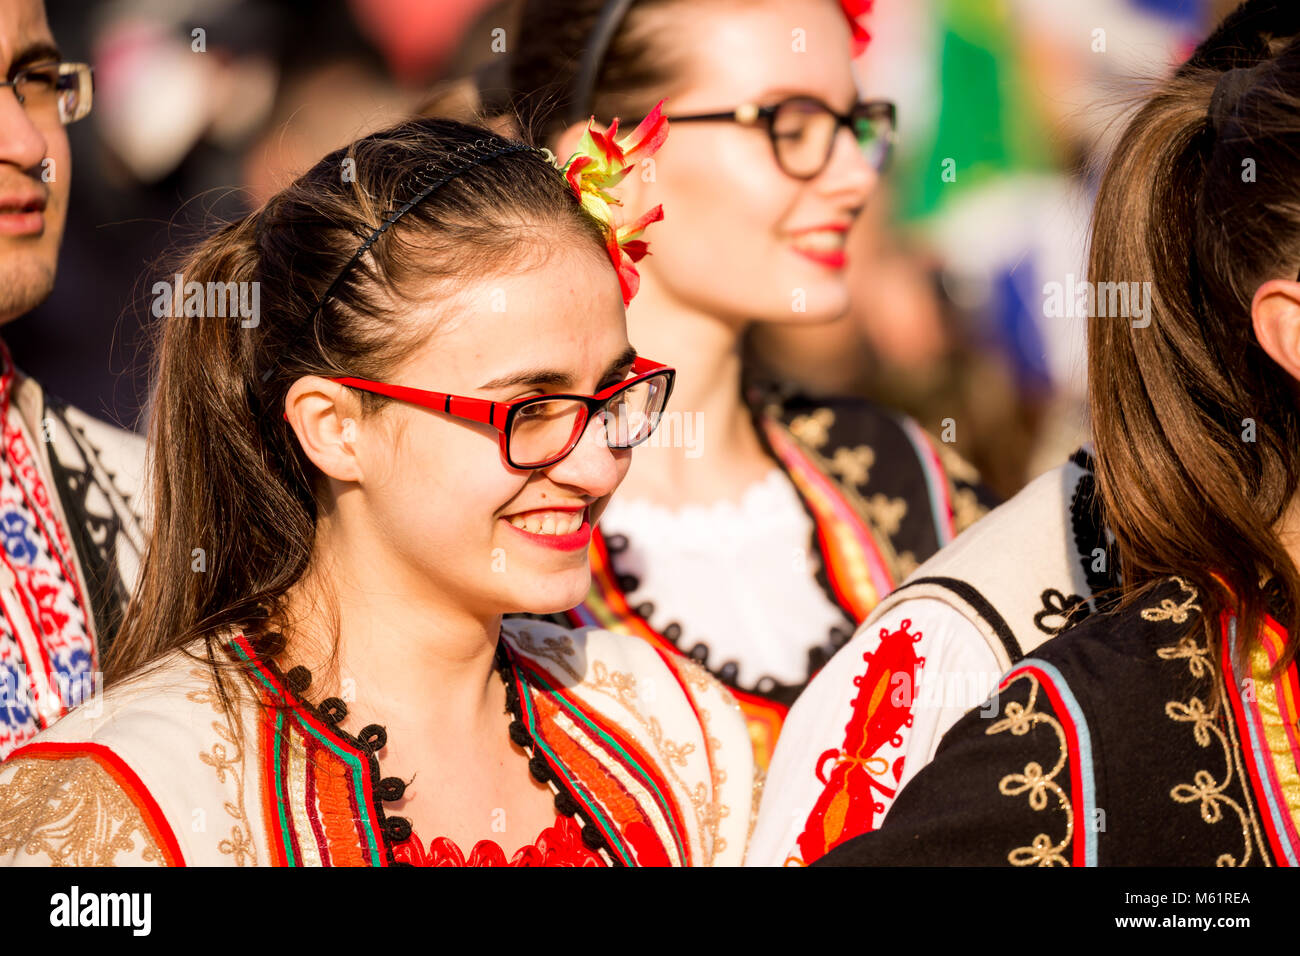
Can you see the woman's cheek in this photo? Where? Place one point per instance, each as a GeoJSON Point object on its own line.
{"type": "Point", "coordinates": [451, 482]}
{"type": "Point", "coordinates": [728, 239]}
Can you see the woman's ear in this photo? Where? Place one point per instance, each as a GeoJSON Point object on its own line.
{"type": "Point", "coordinates": [324, 415]}
{"type": "Point", "coordinates": [1275, 315]}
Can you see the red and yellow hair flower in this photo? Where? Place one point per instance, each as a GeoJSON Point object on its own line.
{"type": "Point", "coordinates": [599, 164]}
{"type": "Point", "coordinates": [854, 10]}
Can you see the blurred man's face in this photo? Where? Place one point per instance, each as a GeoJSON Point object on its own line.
{"type": "Point", "coordinates": [35, 167]}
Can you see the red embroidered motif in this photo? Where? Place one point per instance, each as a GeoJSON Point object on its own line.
{"type": "Point", "coordinates": [47, 654]}
{"type": "Point", "coordinates": [559, 845]}
{"type": "Point", "coordinates": [847, 806]}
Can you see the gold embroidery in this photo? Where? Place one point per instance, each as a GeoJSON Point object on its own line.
{"type": "Point", "coordinates": [1250, 826]}
{"type": "Point", "coordinates": [854, 464]}
{"type": "Point", "coordinates": [966, 509]}
{"type": "Point", "coordinates": [957, 467]}
{"type": "Point", "coordinates": [73, 812]}
{"type": "Point", "coordinates": [694, 675]}
{"type": "Point", "coordinates": [622, 687]}
{"type": "Point", "coordinates": [1276, 735]}
{"type": "Point", "coordinates": [886, 512]}
{"type": "Point", "coordinates": [813, 430]}
{"type": "Point", "coordinates": [1198, 657]}
{"type": "Point", "coordinates": [554, 649]}
{"type": "Point", "coordinates": [1019, 720]}
{"type": "Point", "coordinates": [907, 563]}
{"type": "Point", "coordinates": [1171, 610]}
{"type": "Point", "coordinates": [1209, 793]}
{"type": "Point", "coordinates": [760, 778]}
{"type": "Point", "coordinates": [239, 844]}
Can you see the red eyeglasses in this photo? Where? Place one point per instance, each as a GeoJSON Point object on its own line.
{"type": "Point", "coordinates": [540, 430]}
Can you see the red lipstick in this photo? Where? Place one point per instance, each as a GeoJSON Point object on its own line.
{"type": "Point", "coordinates": [573, 541]}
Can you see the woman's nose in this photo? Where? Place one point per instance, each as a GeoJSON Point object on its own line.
{"type": "Point", "coordinates": [850, 172]}
{"type": "Point", "coordinates": [592, 467]}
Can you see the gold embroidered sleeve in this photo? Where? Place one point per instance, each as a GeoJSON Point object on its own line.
{"type": "Point", "coordinates": [963, 480]}
{"type": "Point", "coordinates": [70, 812]}
{"type": "Point", "coordinates": [732, 804]}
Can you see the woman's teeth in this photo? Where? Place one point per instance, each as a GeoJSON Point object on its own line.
{"type": "Point", "coordinates": [823, 240]}
{"type": "Point", "coordinates": [548, 522]}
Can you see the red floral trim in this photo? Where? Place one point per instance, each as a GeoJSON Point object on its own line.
{"type": "Point", "coordinates": [558, 845]}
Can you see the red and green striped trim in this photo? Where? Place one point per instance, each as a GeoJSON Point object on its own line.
{"type": "Point", "coordinates": [616, 747]}
{"type": "Point", "coordinates": [361, 779]}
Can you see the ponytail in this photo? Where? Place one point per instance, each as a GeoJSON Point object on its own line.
{"type": "Point", "coordinates": [1196, 428]}
{"type": "Point", "coordinates": [220, 494]}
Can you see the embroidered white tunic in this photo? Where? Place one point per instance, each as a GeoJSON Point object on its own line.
{"type": "Point", "coordinates": [653, 751]}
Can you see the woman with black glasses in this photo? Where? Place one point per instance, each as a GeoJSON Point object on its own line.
{"type": "Point", "coordinates": [762, 527]}
{"type": "Point", "coordinates": [411, 435]}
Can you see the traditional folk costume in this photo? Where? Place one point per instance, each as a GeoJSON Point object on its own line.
{"type": "Point", "coordinates": [69, 513]}
{"type": "Point", "coordinates": [862, 496]}
{"type": "Point", "coordinates": [930, 652]}
{"type": "Point", "coordinates": [647, 755]}
{"type": "Point", "coordinates": [1133, 739]}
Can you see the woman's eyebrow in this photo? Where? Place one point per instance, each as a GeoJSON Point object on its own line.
{"type": "Point", "coordinates": [535, 376]}
{"type": "Point", "coordinates": [625, 359]}
{"type": "Point", "coordinates": [773, 94]}
{"type": "Point", "coordinates": [554, 378]}
{"type": "Point", "coordinates": [38, 52]}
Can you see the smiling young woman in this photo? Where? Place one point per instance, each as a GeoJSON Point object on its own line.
{"type": "Point", "coordinates": [414, 438]}
{"type": "Point", "coordinates": [764, 526]}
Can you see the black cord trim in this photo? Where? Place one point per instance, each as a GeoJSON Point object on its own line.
{"type": "Point", "coordinates": [565, 802]}
{"type": "Point", "coordinates": [367, 744]}
{"type": "Point", "coordinates": [981, 606]}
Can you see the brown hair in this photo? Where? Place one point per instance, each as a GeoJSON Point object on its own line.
{"type": "Point", "coordinates": [637, 70]}
{"type": "Point", "coordinates": [1205, 204]}
{"type": "Point", "coordinates": [227, 473]}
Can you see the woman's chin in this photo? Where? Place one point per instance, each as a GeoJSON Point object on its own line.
{"type": "Point", "coordinates": [553, 593]}
{"type": "Point", "coordinates": [812, 303]}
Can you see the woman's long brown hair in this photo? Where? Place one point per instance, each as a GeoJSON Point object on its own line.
{"type": "Point", "coordinates": [234, 500]}
{"type": "Point", "coordinates": [1197, 430]}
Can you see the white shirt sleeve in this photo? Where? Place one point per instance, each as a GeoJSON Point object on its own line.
{"type": "Point", "coordinates": [866, 743]}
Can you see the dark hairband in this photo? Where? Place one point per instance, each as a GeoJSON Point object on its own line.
{"type": "Point", "coordinates": [1229, 90]}
{"type": "Point", "coordinates": [465, 158]}
{"type": "Point", "coordinates": [602, 35]}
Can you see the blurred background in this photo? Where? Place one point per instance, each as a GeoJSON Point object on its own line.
{"type": "Point", "coordinates": [203, 108]}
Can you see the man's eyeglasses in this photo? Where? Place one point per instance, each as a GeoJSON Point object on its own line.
{"type": "Point", "coordinates": [541, 430]}
{"type": "Point", "coordinates": [54, 91]}
{"type": "Point", "coordinates": [802, 130]}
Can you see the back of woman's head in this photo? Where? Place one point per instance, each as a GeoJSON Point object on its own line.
{"type": "Point", "coordinates": [554, 40]}
{"type": "Point", "coordinates": [1197, 427]}
{"type": "Point", "coordinates": [234, 498]}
